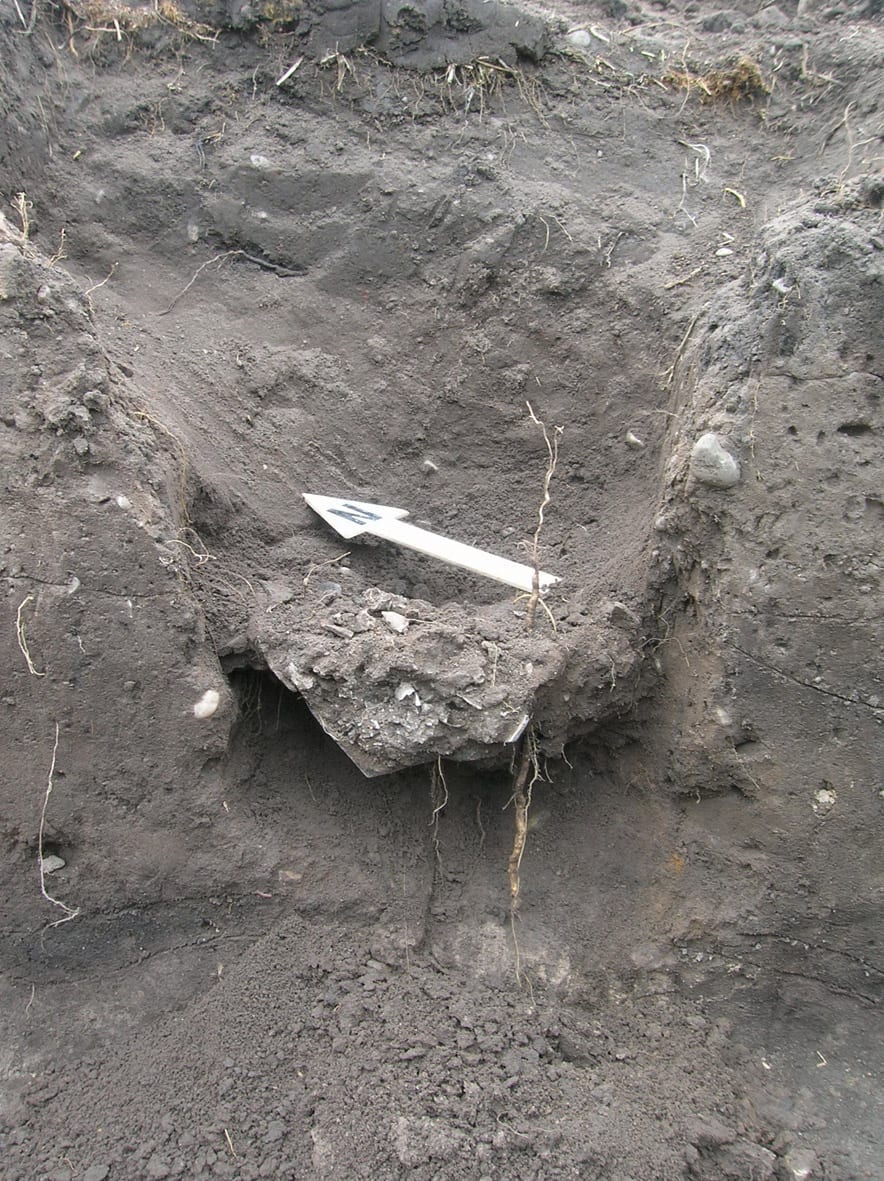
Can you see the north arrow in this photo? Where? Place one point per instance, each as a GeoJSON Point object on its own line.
{"type": "Point", "coordinates": [352, 517]}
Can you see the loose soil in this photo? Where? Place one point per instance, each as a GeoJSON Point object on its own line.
{"type": "Point", "coordinates": [255, 909]}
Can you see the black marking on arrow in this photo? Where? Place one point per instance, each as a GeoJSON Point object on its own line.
{"type": "Point", "coordinates": [359, 516]}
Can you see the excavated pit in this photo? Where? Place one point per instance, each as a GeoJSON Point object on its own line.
{"type": "Point", "coordinates": [284, 816]}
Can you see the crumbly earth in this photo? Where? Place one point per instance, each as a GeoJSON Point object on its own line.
{"type": "Point", "coordinates": [255, 906]}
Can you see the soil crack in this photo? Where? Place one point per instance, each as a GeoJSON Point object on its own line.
{"type": "Point", "coordinates": [806, 684]}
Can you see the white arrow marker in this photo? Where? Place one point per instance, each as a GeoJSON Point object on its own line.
{"type": "Point", "coordinates": [352, 517]}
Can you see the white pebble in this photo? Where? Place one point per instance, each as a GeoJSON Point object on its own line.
{"type": "Point", "coordinates": [207, 704]}
{"type": "Point", "coordinates": [123, 502]}
{"type": "Point", "coordinates": [824, 801]}
{"type": "Point", "coordinates": [395, 622]}
{"type": "Point", "coordinates": [634, 442]}
{"type": "Point", "coordinates": [52, 863]}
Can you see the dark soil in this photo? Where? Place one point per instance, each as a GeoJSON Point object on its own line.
{"type": "Point", "coordinates": [271, 936]}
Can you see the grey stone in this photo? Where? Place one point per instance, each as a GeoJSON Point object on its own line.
{"type": "Point", "coordinates": [712, 465]}
{"type": "Point", "coordinates": [621, 616]}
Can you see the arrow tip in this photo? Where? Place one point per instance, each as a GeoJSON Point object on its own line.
{"type": "Point", "coordinates": [352, 517]}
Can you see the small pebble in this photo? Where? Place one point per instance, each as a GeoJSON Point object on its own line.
{"type": "Point", "coordinates": [824, 801]}
{"type": "Point", "coordinates": [207, 704]}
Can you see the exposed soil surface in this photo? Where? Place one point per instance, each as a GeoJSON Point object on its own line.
{"type": "Point", "coordinates": [256, 801]}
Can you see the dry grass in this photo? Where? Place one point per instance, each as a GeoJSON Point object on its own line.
{"type": "Point", "coordinates": [341, 64]}
{"type": "Point", "coordinates": [27, 25]}
{"type": "Point", "coordinates": [470, 87]}
{"type": "Point", "coordinates": [122, 22]}
{"type": "Point", "coordinates": [740, 82]}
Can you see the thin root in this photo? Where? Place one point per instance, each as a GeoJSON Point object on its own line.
{"type": "Point", "coordinates": [70, 912]}
{"type": "Point", "coordinates": [669, 375]}
{"type": "Point", "coordinates": [22, 638]}
{"type": "Point", "coordinates": [439, 802]}
{"type": "Point", "coordinates": [523, 786]}
{"type": "Point", "coordinates": [184, 290]}
{"type": "Point", "coordinates": [521, 800]}
{"type": "Point", "coordinates": [315, 566]}
{"type": "Point", "coordinates": [552, 450]}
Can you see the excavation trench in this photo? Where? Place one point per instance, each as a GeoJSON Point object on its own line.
{"type": "Point", "coordinates": [288, 948]}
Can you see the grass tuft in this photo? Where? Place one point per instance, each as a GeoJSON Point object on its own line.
{"type": "Point", "coordinates": [741, 81]}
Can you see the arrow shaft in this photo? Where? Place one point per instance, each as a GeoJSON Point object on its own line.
{"type": "Point", "coordinates": [455, 553]}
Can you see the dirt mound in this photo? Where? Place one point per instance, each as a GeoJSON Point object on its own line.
{"type": "Point", "coordinates": [353, 249]}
